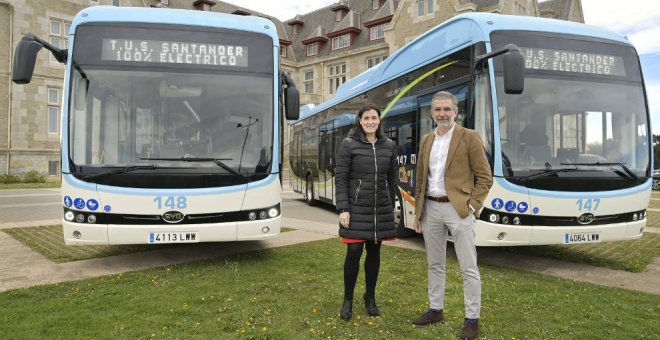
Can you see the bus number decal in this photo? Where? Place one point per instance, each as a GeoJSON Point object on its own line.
{"type": "Point", "coordinates": [588, 204]}
{"type": "Point", "coordinates": [403, 159]}
{"type": "Point", "coordinates": [171, 202]}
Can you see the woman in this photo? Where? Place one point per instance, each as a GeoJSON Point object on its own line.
{"type": "Point", "coordinates": [365, 183]}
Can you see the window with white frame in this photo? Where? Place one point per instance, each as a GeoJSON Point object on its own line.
{"type": "Point", "coordinates": [309, 81]}
{"type": "Point", "coordinates": [59, 33]}
{"type": "Point", "coordinates": [376, 32]}
{"type": "Point", "coordinates": [424, 7]}
{"type": "Point", "coordinates": [341, 41]}
{"type": "Point", "coordinates": [336, 76]}
{"type": "Point", "coordinates": [283, 51]}
{"type": "Point", "coordinates": [375, 4]}
{"type": "Point", "coordinates": [53, 110]}
{"type": "Point", "coordinates": [313, 49]}
{"type": "Point", "coordinates": [373, 61]}
{"type": "Point", "coordinates": [339, 15]}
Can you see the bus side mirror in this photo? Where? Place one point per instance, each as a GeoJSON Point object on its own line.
{"type": "Point", "coordinates": [25, 57]}
{"type": "Point", "coordinates": [514, 71]}
{"type": "Point", "coordinates": [291, 98]}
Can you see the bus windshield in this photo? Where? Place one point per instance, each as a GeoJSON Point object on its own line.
{"type": "Point", "coordinates": [174, 105]}
{"type": "Point", "coordinates": [582, 115]}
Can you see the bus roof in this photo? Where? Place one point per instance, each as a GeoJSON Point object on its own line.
{"type": "Point", "coordinates": [113, 14]}
{"type": "Point", "coordinates": [450, 36]}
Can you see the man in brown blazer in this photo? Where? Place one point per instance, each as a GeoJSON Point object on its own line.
{"type": "Point", "coordinates": [452, 181]}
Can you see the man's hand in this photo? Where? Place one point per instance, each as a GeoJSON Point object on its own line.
{"type": "Point", "coordinates": [418, 227]}
{"type": "Point", "coordinates": [344, 219]}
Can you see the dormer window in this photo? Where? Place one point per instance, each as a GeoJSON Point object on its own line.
{"type": "Point", "coordinates": [296, 29]}
{"type": "Point", "coordinates": [340, 15]}
{"type": "Point", "coordinates": [375, 4]}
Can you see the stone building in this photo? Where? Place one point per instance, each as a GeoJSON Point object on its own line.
{"type": "Point", "coordinates": [321, 50]}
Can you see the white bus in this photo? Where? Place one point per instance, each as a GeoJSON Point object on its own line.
{"type": "Point", "coordinates": [570, 154]}
{"type": "Point", "coordinates": [171, 125]}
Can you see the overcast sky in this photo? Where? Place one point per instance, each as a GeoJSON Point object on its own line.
{"type": "Point", "coordinates": [639, 20]}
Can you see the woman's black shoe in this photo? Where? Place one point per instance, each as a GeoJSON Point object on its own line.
{"type": "Point", "coordinates": [370, 305]}
{"type": "Point", "coordinates": [346, 310]}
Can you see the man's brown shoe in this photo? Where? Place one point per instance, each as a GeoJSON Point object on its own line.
{"type": "Point", "coordinates": [429, 317]}
{"type": "Point", "coordinates": [470, 329]}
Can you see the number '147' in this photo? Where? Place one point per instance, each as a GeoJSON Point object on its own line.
{"type": "Point", "coordinates": [171, 202]}
{"type": "Point", "coordinates": [588, 204]}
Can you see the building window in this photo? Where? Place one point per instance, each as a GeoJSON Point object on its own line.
{"type": "Point", "coordinates": [59, 33]}
{"type": "Point", "coordinates": [309, 82]}
{"type": "Point", "coordinates": [375, 4]}
{"type": "Point", "coordinates": [53, 110]}
{"type": "Point", "coordinates": [296, 29]}
{"type": "Point", "coordinates": [283, 51]}
{"type": "Point", "coordinates": [341, 41]}
{"type": "Point", "coordinates": [339, 15]}
{"type": "Point", "coordinates": [337, 76]}
{"type": "Point", "coordinates": [371, 62]}
{"type": "Point", "coordinates": [376, 32]}
{"type": "Point", "coordinates": [53, 168]}
{"type": "Point", "coordinates": [424, 7]}
{"type": "Point", "coordinates": [312, 49]}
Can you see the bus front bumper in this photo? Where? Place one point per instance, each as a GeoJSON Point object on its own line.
{"type": "Point", "coordinates": [103, 234]}
{"type": "Point", "coordinates": [494, 234]}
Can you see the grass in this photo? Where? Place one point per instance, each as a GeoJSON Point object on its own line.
{"type": "Point", "coordinates": [632, 256]}
{"type": "Point", "coordinates": [49, 242]}
{"type": "Point", "coordinates": [47, 184]}
{"type": "Point", "coordinates": [295, 292]}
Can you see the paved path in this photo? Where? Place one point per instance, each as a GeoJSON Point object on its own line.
{"type": "Point", "coordinates": [23, 267]}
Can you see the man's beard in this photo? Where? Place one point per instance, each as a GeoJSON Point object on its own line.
{"type": "Point", "coordinates": [444, 124]}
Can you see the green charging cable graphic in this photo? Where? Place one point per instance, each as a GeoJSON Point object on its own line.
{"type": "Point", "coordinates": [407, 88]}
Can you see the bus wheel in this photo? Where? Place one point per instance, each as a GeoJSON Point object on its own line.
{"type": "Point", "coordinates": [399, 219]}
{"type": "Point", "coordinates": [309, 192]}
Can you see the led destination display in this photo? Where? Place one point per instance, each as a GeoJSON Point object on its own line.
{"type": "Point", "coordinates": [571, 61]}
{"type": "Point", "coordinates": [154, 51]}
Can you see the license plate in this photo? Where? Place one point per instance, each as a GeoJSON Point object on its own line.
{"type": "Point", "coordinates": [582, 238]}
{"type": "Point", "coordinates": [174, 237]}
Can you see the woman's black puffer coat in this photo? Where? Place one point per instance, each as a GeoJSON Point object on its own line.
{"type": "Point", "coordinates": [365, 180]}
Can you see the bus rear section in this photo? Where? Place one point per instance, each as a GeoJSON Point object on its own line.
{"type": "Point", "coordinates": [171, 126]}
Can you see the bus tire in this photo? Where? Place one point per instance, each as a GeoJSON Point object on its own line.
{"type": "Point", "coordinates": [399, 220]}
{"type": "Point", "coordinates": [309, 192]}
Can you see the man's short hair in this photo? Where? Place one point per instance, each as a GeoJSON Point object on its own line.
{"type": "Point", "coordinates": [442, 95]}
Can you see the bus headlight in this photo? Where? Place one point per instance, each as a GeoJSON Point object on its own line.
{"type": "Point", "coordinates": [493, 218]}
{"type": "Point", "coordinates": [634, 216]}
{"type": "Point", "coordinates": [516, 220]}
{"type": "Point", "coordinates": [262, 214]}
{"type": "Point", "coordinates": [91, 218]}
{"type": "Point", "coordinates": [252, 216]}
{"type": "Point", "coordinates": [505, 219]}
{"type": "Point", "coordinates": [272, 212]}
{"type": "Point", "coordinates": [80, 218]}
{"type": "Point", "coordinates": [69, 216]}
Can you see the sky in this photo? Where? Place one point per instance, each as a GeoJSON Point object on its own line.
{"type": "Point", "coordinates": [639, 20]}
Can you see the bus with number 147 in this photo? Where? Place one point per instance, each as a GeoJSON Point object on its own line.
{"type": "Point", "coordinates": [171, 125]}
{"type": "Point", "coordinates": [560, 107]}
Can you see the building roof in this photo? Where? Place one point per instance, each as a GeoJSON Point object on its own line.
{"type": "Point", "coordinates": [325, 19]}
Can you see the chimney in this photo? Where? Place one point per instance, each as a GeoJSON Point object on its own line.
{"type": "Point", "coordinates": [203, 5]}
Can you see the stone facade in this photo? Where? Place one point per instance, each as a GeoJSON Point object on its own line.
{"type": "Point", "coordinates": [29, 141]}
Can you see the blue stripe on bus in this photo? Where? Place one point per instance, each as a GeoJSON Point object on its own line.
{"type": "Point", "coordinates": [581, 194]}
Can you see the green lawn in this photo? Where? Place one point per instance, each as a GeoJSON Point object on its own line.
{"type": "Point", "coordinates": [49, 242]}
{"type": "Point", "coordinates": [295, 292]}
{"type": "Point", "coordinates": [48, 184]}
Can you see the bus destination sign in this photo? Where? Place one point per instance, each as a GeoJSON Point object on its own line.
{"type": "Point", "coordinates": [574, 62]}
{"type": "Point", "coordinates": [171, 52]}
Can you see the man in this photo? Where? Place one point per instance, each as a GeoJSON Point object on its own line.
{"type": "Point", "coordinates": [453, 179]}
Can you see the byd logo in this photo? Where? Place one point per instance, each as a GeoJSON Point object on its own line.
{"type": "Point", "coordinates": [173, 217]}
{"type": "Point", "coordinates": [586, 218]}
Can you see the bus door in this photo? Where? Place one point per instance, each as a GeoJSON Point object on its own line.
{"type": "Point", "coordinates": [295, 157]}
{"type": "Point", "coordinates": [325, 161]}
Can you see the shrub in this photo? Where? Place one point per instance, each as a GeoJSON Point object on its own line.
{"type": "Point", "coordinates": [33, 176]}
{"type": "Point", "coordinates": [8, 179]}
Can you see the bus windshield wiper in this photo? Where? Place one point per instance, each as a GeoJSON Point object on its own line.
{"type": "Point", "coordinates": [628, 173]}
{"type": "Point", "coordinates": [218, 161]}
{"type": "Point", "coordinates": [548, 172]}
{"type": "Point", "coordinates": [121, 170]}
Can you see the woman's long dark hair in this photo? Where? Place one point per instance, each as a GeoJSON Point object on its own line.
{"type": "Point", "coordinates": [365, 108]}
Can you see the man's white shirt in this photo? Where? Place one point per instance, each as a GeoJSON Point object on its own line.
{"type": "Point", "coordinates": [437, 162]}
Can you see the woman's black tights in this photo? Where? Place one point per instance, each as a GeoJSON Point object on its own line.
{"type": "Point", "coordinates": [352, 267]}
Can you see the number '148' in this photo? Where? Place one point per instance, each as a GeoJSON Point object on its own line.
{"type": "Point", "coordinates": [171, 202]}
